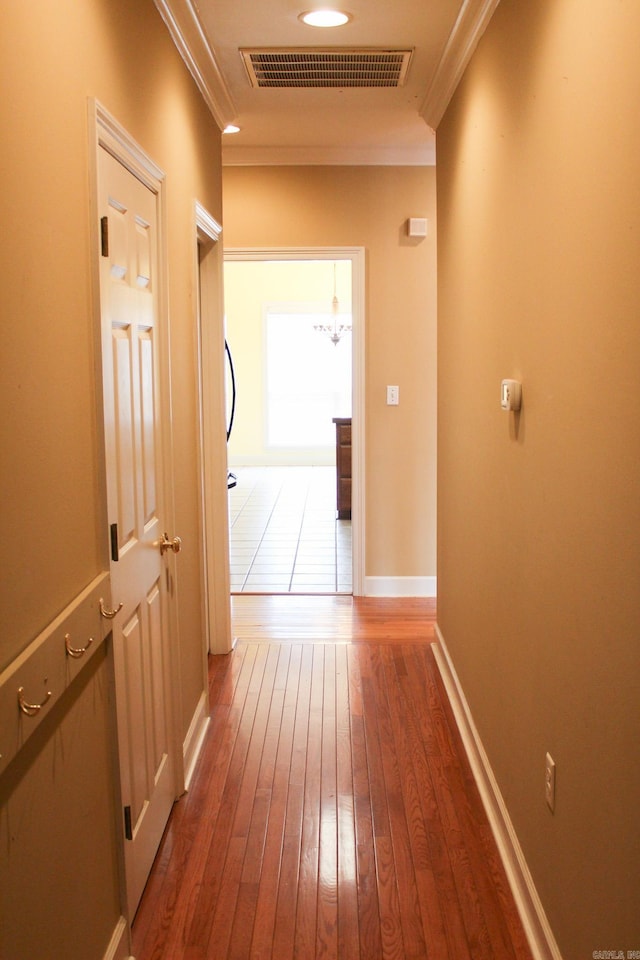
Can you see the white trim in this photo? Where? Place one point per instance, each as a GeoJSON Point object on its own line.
{"type": "Point", "coordinates": [536, 926]}
{"type": "Point", "coordinates": [206, 225]}
{"type": "Point", "coordinates": [400, 587]}
{"type": "Point", "coordinates": [472, 21]}
{"type": "Point", "coordinates": [187, 33]}
{"type": "Point", "coordinates": [108, 133]}
{"type": "Point", "coordinates": [357, 257]}
{"type": "Point", "coordinates": [209, 323]}
{"type": "Point", "coordinates": [195, 738]}
{"type": "Point", "coordinates": [118, 948]}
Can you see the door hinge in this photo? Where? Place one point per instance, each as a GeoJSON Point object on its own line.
{"type": "Point", "coordinates": [104, 236]}
{"type": "Point", "coordinates": [113, 530]}
{"type": "Point", "coordinates": [128, 832]}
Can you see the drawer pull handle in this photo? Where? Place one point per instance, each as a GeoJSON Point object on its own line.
{"type": "Point", "coordinates": [76, 652]}
{"type": "Point", "coordinates": [110, 614]}
{"type": "Point", "coordinates": [31, 709]}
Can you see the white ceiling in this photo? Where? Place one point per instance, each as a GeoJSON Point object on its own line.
{"type": "Point", "coordinates": [347, 126]}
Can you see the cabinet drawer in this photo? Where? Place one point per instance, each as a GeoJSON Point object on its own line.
{"type": "Point", "coordinates": [344, 433]}
{"type": "Point", "coordinates": [344, 462]}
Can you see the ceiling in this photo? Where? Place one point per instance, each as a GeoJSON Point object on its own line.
{"type": "Point", "coordinates": [336, 124]}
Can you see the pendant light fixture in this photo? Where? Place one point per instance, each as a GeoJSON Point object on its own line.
{"type": "Point", "coordinates": [334, 330]}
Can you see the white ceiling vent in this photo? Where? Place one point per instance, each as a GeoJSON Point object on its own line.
{"type": "Point", "coordinates": [333, 67]}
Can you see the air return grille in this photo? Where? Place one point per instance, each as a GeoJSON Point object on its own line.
{"type": "Point", "coordinates": [326, 68]}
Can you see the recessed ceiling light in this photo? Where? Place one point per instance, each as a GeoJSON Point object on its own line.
{"type": "Point", "coordinates": [325, 18]}
{"type": "Point", "coordinates": [231, 128]}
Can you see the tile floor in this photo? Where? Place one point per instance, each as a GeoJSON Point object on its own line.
{"type": "Point", "coordinates": [284, 535]}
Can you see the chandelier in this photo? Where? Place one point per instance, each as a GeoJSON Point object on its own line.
{"type": "Point", "coordinates": [333, 330]}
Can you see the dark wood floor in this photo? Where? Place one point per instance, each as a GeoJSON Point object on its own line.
{"type": "Point", "coordinates": [333, 813]}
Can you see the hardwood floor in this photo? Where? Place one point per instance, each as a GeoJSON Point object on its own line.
{"type": "Point", "coordinates": [333, 813]}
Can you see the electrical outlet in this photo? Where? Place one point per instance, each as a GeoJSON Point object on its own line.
{"type": "Point", "coordinates": [393, 396]}
{"type": "Point", "coordinates": [550, 782]}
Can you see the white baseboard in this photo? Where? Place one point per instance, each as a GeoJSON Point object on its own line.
{"type": "Point", "coordinates": [195, 737]}
{"type": "Point", "coordinates": [534, 920]}
{"type": "Point", "coordinates": [118, 948]}
{"type": "Point", "coordinates": [400, 586]}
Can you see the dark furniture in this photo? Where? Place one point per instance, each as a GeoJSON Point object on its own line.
{"type": "Point", "coordinates": [343, 466]}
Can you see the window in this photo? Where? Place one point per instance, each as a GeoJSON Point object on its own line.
{"type": "Point", "coordinates": [308, 379]}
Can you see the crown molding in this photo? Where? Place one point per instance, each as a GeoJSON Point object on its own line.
{"type": "Point", "coordinates": [422, 156]}
{"type": "Point", "coordinates": [472, 21]}
{"type": "Point", "coordinates": [186, 31]}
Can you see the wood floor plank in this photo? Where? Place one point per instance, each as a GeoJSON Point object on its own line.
{"type": "Point", "coordinates": [373, 750]}
{"type": "Point", "coordinates": [412, 933]}
{"type": "Point", "coordinates": [473, 917]}
{"type": "Point", "coordinates": [332, 814]}
{"type": "Point", "coordinates": [409, 751]}
{"type": "Point", "coordinates": [223, 912]}
{"type": "Point", "coordinates": [307, 910]}
{"type": "Point", "coordinates": [390, 919]}
{"type": "Point", "coordinates": [418, 726]}
{"type": "Point", "coordinates": [220, 848]}
{"type": "Point", "coordinates": [249, 823]}
{"type": "Point", "coordinates": [348, 927]}
{"type": "Point", "coordinates": [189, 830]}
{"type": "Point", "coordinates": [327, 619]}
{"type": "Point", "coordinates": [387, 881]}
{"type": "Point", "coordinates": [256, 736]}
{"type": "Point", "coordinates": [327, 917]}
{"type": "Point", "coordinates": [367, 887]}
{"type": "Point", "coordinates": [287, 899]}
{"type": "Point", "coordinates": [266, 904]}
{"type": "Point", "coordinates": [472, 820]}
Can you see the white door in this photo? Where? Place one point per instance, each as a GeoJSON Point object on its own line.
{"type": "Point", "coordinates": [140, 573]}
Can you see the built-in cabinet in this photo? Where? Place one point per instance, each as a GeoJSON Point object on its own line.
{"type": "Point", "coordinates": [343, 466]}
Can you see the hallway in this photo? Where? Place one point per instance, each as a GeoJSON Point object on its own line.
{"type": "Point", "coordinates": [332, 813]}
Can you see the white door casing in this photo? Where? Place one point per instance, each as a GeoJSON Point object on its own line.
{"type": "Point", "coordinates": [212, 432]}
{"type": "Point", "coordinates": [135, 459]}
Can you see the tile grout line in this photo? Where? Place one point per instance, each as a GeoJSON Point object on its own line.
{"type": "Point", "coordinates": [264, 532]}
{"type": "Point", "coordinates": [295, 556]}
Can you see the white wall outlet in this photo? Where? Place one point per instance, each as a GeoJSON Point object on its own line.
{"type": "Point", "coordinates": [550, 782]}
{"type": "Point", "coordinates": [393, 396]}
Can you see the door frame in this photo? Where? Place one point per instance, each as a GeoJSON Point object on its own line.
{"type": "Point", "coordinates": [106, 133]}
{"type": "Point", "coordinates": [358, 260]}
{"type": "Point", "coordinates": [212, 440]}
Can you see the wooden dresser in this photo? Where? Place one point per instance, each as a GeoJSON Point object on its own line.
{"type": "Point", "coordinates": [343, 466]}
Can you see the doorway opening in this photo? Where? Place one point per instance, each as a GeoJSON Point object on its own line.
{"type": "Point", "coordinates": [294, 323]}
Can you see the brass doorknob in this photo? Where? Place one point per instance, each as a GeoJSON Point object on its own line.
{"type": "Point", "coordinates": [166, 544]}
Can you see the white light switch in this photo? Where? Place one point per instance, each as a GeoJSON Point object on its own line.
{"type": "Point", "coordinates": [393, 396]}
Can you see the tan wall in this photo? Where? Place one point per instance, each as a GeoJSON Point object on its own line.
{"type": "Point", "coordinates": [54, 54]}
{"type": "Point", "coordinates": [539, 517]}
{"type": "Point", "coordinates": [367, 207]}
